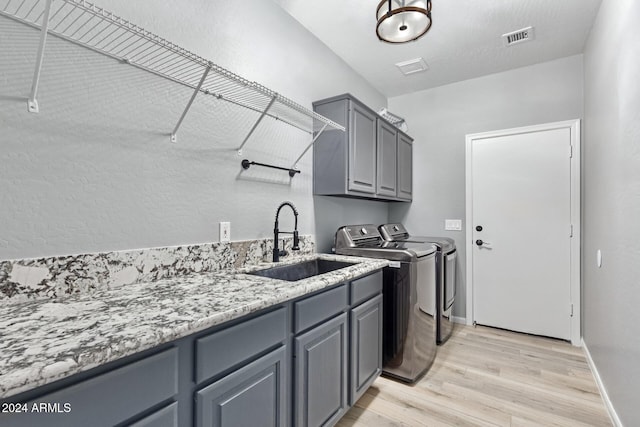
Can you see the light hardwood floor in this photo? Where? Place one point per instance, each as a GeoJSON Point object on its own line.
{"type": "Point", "coordinates": [489, 377]}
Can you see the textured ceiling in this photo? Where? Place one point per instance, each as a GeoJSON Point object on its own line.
{"type": "Point", "coordinates": [464, 41]}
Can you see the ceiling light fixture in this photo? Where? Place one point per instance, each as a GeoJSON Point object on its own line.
{"type": "Point", "coordinates": [401, 21]}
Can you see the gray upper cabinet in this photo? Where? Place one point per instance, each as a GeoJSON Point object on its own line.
{"type": "Point", "coordinates": [363, 162]}
{"type": "Point", "coordinates": [362, 149]}
{"type": "Point", "coordinates": [405, 167]}
{"type": "Point", "coordinates": [387, 159]}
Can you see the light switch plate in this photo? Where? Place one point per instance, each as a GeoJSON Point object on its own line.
{"type": "Point", "coordinates": [225, 232]}
{"type": "Point", "coordinates": [453, 224]}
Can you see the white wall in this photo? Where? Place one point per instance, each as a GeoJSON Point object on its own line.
{"type": "Point", "coordinates": [611, 203]}
{"type": "Point", "coordinates": [95, 170]}
{"type": "Point", "coordinates": [440, 118]}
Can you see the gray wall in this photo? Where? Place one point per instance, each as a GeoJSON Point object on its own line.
{"type": "Point", "coordinates": [334, 212]}
{"type": "Point", "coordinates": [440, 118]}
{"type": "Point", "coordinates": [611, 203]}
{"type": "Point", "coordinates": [95, 170]}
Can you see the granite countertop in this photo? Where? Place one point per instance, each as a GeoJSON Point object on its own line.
{"type": "Point", "coordinates": [43, 341]}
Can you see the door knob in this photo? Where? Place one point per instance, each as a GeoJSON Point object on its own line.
{"type": "Point", "coordinates": [483, 243]}
{"type": "Point", "coordinates": [479, 242]}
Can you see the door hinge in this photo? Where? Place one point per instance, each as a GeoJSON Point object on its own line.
{"type": "Point", "coordinates": [570, 151]}
{"type": "Point", "coordinates": [570, 230]}
{"type": "Point", "coordinates": [571, 315]}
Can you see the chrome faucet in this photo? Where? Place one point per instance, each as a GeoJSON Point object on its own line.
{"type": "Point", "coordinates": [277, 253]}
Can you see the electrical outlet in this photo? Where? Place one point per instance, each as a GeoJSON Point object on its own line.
{"type": "Point", "coordinates": [225, 232]}
{"type": "Point", "coordinates": [453, 224]}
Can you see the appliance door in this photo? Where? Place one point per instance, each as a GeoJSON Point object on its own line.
{"type": "Point", "coordinates": [426, 284]}
{"type": "Point", "coordinates": [449, 280]}
{"type": "Point", "coordinates": [409, 330]}
{"type": "Point", "coordinates": [396, 303]}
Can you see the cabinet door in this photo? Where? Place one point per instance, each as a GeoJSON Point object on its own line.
{"type": "Point", "coordinates": [254, 395]}
{"type": "Point", "coordinates": [387, 159]}
{"type": "Point", "coordinates": [105, 400]}
{"type": "Point", "coordinates": [321, 374]}
{"type": "Point", "coordinates": [243, 341]}
{"type": "Point", "coordinates": [405, 167]}
{"type": "Point", "coordinates": [362, 150]}
{"type": "Point", "coordinates": [165, 417]}
{"type": "Point", "coordinates": [366, 346]}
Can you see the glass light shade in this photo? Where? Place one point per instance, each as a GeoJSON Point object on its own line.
{"type": "Point", "coordinates": [401, 21]}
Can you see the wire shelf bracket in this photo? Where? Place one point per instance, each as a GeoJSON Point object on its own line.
{"type": "Point", "coordinates": [32, 103]}
{"type": "Point", "coordinates": [174, 137]}
{"type": "Point", "coordinates": [89, 26]}
{"type": "Point", "coordinates": [255, 125]}
{"type": "Point", "coordinates": [295, 163]}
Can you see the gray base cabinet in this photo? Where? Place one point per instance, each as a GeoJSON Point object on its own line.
{"type": "Point", "coordinates": [366, 345]}
{"type": "Point", "coordinates": [321, 374]}
{"type": "Point", "coordinates": [165, 417]}
{"type": "Point", "coordinates": [251, 396]}
{"type": "Point", "coordinates": [300, 364]}
{"type": "Point", "coordinates": [372, 159]}
{"type": "Point", "coordinates": [341, 355]}
{"type": "Point", "coordinates": [104, 400]}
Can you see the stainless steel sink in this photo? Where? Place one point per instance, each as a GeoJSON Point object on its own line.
{"type": "Point", "coordinates": [303, 270]}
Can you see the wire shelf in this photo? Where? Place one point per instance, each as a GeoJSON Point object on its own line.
{"type": "Point", "coordinates": [395, 120]}
{"type": "Point", "coordinates": [90, 26]}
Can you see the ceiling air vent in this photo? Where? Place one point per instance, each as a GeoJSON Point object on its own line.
{"type": "Point", "coordinates": [412, 66]}
{"type": "Point", "coordinates": [520, 36]}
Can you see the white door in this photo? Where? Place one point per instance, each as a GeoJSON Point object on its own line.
{"type": "Point", "coordinates": [521, 231]}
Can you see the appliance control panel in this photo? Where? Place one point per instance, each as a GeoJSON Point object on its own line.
{"type": "Point", "coordinates": [355, 235]}
{"type": "Point", "coordinates": [393, 231]}
{"type": "Point", "coordinates": [367, 231]}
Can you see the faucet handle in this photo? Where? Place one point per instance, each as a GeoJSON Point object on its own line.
{"type": "Point", "coordinates": [296, 241]}
{"type": "Point", "coordinates": [282, 251]}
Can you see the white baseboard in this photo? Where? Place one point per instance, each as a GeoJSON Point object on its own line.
{"type": "Point", "coordinates": [603, 391]}
{"type": "Point", "coordinates": [461, 320]}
